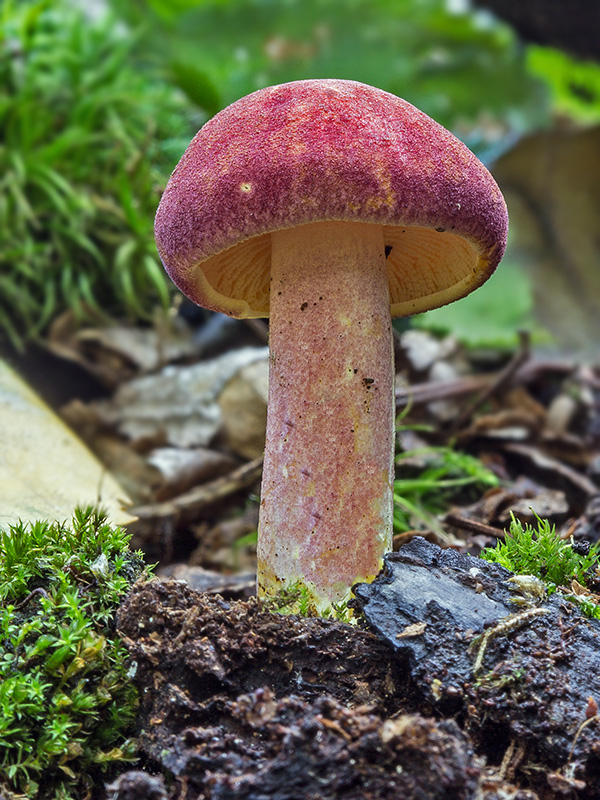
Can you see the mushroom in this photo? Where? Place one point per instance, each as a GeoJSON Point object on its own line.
{"type": "Point", "coordinates": [330, 207]}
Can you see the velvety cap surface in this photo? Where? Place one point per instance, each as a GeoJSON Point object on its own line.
{"type": "Point", "coordinates": [319, 150]}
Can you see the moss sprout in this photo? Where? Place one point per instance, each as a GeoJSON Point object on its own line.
{"type": "Point", "coordinates": [541, 552]}
{"type": "Point", "coordinates": [297, 598]}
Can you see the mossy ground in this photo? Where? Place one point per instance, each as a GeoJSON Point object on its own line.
{"type": "Point", "coordinates": [561, 564]}
{"type": "Point", "coordinates": [67, 703]}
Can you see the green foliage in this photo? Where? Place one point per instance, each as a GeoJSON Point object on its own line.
{"type": "Point", "coordinates": [459, 68]}
{"type": "Point", "coordinates": [491, 316]}
{"type": "Point", "coordinates": [542, 553]}
{"type": "Point", "coordinates": [586, 604]}
{"type": "Point", "coordinates": [574, 85]}
{"type": "Point", "coordinates": [66, 702]}
{"type": "Point", "coordinates": [447, 472]}
{"type": "Point", "coordinates": [80, 172]}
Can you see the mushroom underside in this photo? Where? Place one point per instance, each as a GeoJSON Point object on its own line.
{"type": "Point", "coordinates": [426, 268]}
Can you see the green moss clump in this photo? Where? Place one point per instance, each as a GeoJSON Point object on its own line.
{"type": "Point", "coordinates": [81, 168]}
{"type": "Point", "coordinates": [541, 552]}
{"type": "Point", "coordinates": [66, 699]}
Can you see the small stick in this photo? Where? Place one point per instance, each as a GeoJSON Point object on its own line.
{"type": "Point", "coordinates": [203, 495]}
{"type": "Point", "coordinates": [511, 760]}
{"type": "Point", "coordinates": [39, 590]}
{"type": "Point", "coordinates": [583, 725]}
{"type": "Point", "coordinates": [505, 626]}
{"type": "Point", "coordinates": [423, 393]}
{"type": "Point", "coordinates": [503, 378]}
{"type": "Point", "coordinates": [471, 525]}
{"type": "Point", "coordinates": [259, 328]}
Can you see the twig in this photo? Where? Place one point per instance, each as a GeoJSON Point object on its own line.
{"type": "Point", "coordinates": [503, 378]}
{"type": "Point", "coordinates": [31, 595]}
{"type": "Point", "coordinates": [512, 758]}
{"type": "Point", "coordinates": [259, 328]}
{"type": "Point", "coordinates": [503, 627]}
{"type": "Point", "coordinates": [547, 463]}
{"type": "Point", "coordinates": [203, 495]}
{"type": "Point", "coordinates": [471, 525]}
{"type": "Point", "coordinates": [583, 725]}
{"type": "Point", "coordinates": [423, 393]}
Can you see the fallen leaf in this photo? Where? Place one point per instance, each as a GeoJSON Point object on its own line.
{"type": "Point", "coordinates": [45, 470]}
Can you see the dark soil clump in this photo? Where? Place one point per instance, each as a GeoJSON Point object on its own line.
{"type": "Point", "coordinates": [239, 703]}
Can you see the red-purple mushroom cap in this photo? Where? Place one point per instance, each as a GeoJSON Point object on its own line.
{"type": "Point", "coordinates": [319, 150]}
{"type": "Point", "coordinates": [330, 206]}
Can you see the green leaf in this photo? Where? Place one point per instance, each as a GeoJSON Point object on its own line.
{"type": "Point", "coordinates": [491, 316]}
{"type": "Point", "coordinates": [197, 85]}
{"type": "Point", "coordinates": [574, 84]}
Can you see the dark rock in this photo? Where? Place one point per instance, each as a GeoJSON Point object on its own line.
{"type": "Point", "coordinates": [521, 674]}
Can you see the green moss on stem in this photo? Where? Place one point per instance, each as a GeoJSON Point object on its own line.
{"type": "Point", "coordinates": [299, 598]}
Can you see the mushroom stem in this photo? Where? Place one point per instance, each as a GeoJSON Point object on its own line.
{"type": "Point", "coordinates": [326, 506]}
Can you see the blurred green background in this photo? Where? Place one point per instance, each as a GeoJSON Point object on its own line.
{"type": "Point", "coordinates": [98, 100]}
